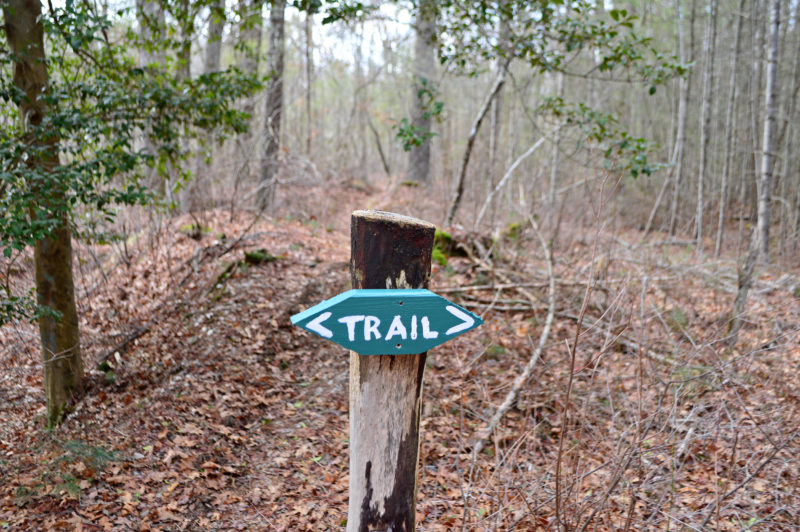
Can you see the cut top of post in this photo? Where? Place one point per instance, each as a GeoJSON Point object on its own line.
{"type": "Point", "coordinates": [392, 218]}
{"type": "Point", "coordinates": [390, 250]}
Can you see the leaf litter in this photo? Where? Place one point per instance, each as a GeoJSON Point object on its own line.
{"type": "Point", "coordinates": [220, 415]}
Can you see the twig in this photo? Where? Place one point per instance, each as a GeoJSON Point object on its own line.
{"type": "Point", "coordinates": [775, 450]}
{"type": "Point", "coordinates": [611, 487]}
{"type": "Point", "coordinates": [379, 145]}
{"type": "Point", "coordinates": [137, 333]}
{"type": "Point", "coordinates": [624, 341]}
{"type": "Point", "coordinates": [476, 125]}
{"type": "Point", "coordinates": [510, 172]}
{"type": "Point", "coordinates": [511, 397]}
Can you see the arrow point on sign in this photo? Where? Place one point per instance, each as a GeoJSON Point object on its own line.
{"type": "Point", "coordinates": [466, 320]}
{"type": "Point", "coordinates": [316, 325]}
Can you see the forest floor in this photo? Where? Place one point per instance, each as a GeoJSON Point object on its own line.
{"type": "Point", "coordinates": [211, 412]}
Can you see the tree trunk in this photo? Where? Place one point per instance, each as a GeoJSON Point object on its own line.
{"type": "Point", "coordinates": [388, 251]}
{"type": "Point", "coordinates": [216, 23]}
{"type": "Point", "coordinates": [309, 46]}
{"type": "Point", "coordinates": [250, 44]}
{"type": "Point", "coordinates": [211, 63]}
{"type": "Point", "coordinates": [683, 113]}
{"type": "Point", "coordinates": [786, 138]}
{"type": "Point", "coordinates": [745, 280]}
{"type": "Point", "coordinates": [186, 16]}
{"type": "Point", "coordinates": [274, 109]}
{"type": "Point", "coordinates": [757, 247]}
{"type": "Point", "coordinates": [476, 126]}
{"type": "Point", "coordinates": [63, 367]}
{"type": "Point", "coordinates": [554, 162]}
{"type": "Point", "coordinates": [496, 112]}
{"type": "Point", "coordinates": [423, 88]}
{"type": "Point", "coordinates": [768, 152]}
{"type": "Point", "coordinates": [755, 106]}
{"type": "Point", "coordinates": [150, 16]}
{"type": "Point", "coordinates": [729, 114]}
{"type": "Point", "coordinates": [705, 120]}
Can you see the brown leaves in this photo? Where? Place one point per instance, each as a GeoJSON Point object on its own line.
{"type": "Point", "coordinates": [223, 416]}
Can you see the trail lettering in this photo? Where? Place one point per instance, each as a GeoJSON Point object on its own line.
{"type": "Point", "coordinates": [387, 322]}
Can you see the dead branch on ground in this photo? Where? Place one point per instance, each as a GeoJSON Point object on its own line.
{"type": "Point", "coordinates": [522, 378]}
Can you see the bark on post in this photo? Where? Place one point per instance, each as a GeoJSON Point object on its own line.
{"type": "Point", "coordinates": [388, 251]}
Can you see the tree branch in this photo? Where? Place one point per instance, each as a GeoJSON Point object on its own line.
{"type": "Point", "coordinates": [522, 378]}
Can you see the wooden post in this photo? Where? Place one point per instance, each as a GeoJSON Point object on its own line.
{"type": "Point", "coordinates": [388, 251]}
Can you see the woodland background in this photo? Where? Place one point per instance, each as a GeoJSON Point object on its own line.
{"type": "Point", "coordinates": [618, 190]}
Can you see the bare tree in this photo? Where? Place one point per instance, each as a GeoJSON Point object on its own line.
{"type": "Point", "coordinates": [309, 64]}
{"type": "Point", "coordinates": [768, 155]}
{"type": "Point", "coordinates": [250, 42]}
{"type": "Point", "coordinates": [786, 137]}
{"type": "Point", "coordinates": [729, 114]}
{"type": "Point", "coordinates": [185, 13]}
{"type": "Point", "coordinates": [705, 113]}
{"type": "Point", "coordinates": [150, 17]}
{"type": "Point", "coordinates": [473, 133]}
{"type": "Point", "coordinates": [554, 160]}
{"type": "Point", "coordinates": [423, 89]}
{"type": "Point", "coordinates": [496, 112]}
{"type": "Point", "coordinates": [767, 163]}
{"type": "Point", "coordinates": [216, 24]}
{"type": "Point", "coordinates": [683, 112]}
{"type": "Point", "coordinates": [274, 109]}
{"type": "Point", "coordinates": [212, 61]}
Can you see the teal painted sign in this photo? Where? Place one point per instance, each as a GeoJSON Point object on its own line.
{"type": "Point", "coordinates": [387, 322]}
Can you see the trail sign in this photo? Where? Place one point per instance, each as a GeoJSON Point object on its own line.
{"type": "Point", "coordinates": [387, 322]}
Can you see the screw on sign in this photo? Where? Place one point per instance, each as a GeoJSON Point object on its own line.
{"type": "Point", "coordinates": [388, 322]}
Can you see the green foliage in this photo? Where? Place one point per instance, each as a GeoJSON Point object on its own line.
{"type": "Point", "coordinates": [77, 461]}
{"type": "Point", "coordinates": [512, 232]}
{"type": "Point", "coordinates": [444, 247]}
{"type": "Point", "coordinates": [19, 308]}
{"type": "Point", "coordinates": [100, 108]}
{"type": "Point", "coordinates": [439, 256]}
{"type": "Point", "coordinates": [548, 36]}
{"type": "Point", "coordinates": [338, 10]}
{"type": "Point", "coordinates": [195, 231]}
{"type": "Point", "coordinates": [259, 256]}
{"type": "Point", "coordinates": [622, 151]}
{"type": "Point", "coordinates": [630, 153]}
{"type": "Point", "coordinates": [677, 319]}
{"type": "Point", "coordinates": [442, 239]}
{"type": "Point", "coordinates": [426, 94]}
{"type": "Point", "coordinates": [411, 135]}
